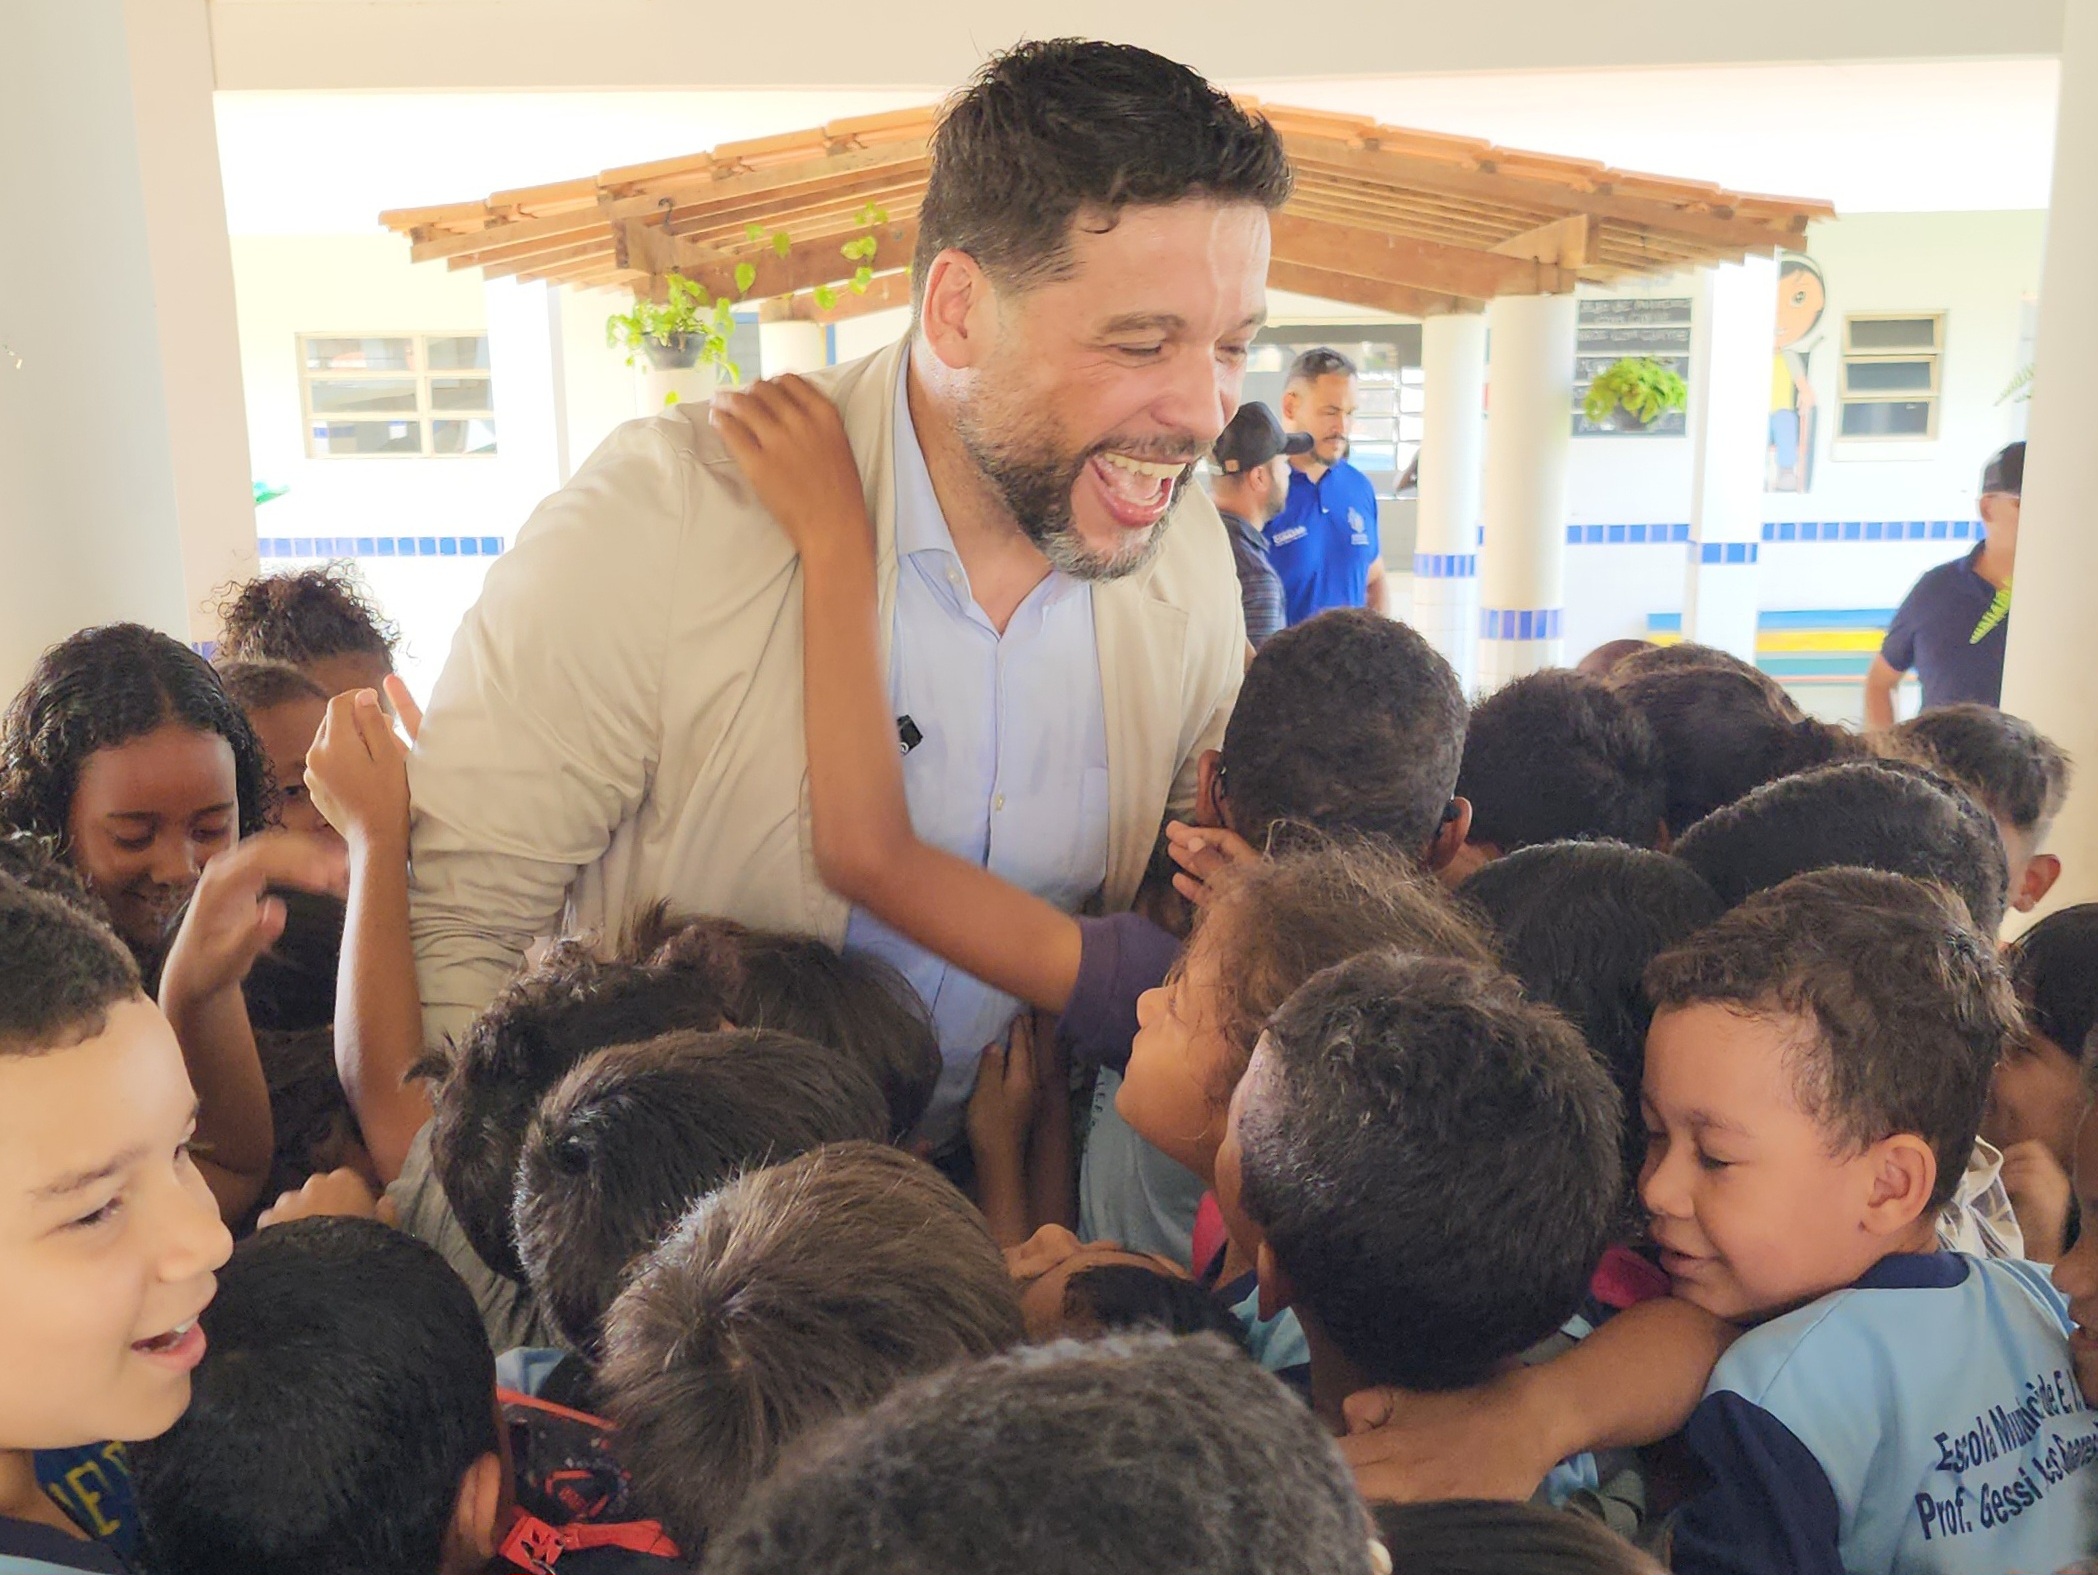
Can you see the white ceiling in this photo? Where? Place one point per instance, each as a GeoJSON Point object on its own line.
{"type": "Point", "coordinates": [1900, 137]}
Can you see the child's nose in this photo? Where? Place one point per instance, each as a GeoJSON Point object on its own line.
{"type": "Point", "coordinates": [1660, 1186]}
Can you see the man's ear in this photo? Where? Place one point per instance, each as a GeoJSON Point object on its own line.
{"type": "Point", "coordinates": [2042, 870]}
{"type": "Point", "coordinates": [1904, 1173]}
{"type": "Point", "coordinates": [477, 1516]}
{"type": "Point", "coordinates": [1449, 839]}
{"type": "Point", "coordinates": [1466, 862]}
{"type": "Point", "coordinates": [1292, 396]}
{"type": "Point", "coordinates": [1209, 789]}
{"type": "Point", "coordinates": [1664, 839]}
{"type": "Point", "coordinates": [959, 314]}
{"type": "Point", "coordinates": [1276, 1292]}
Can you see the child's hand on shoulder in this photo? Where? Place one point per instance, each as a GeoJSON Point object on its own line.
{"type": "Point", "coordinates": [1203, 853]}
{"type": "Point", "coordinates": [790, 442]}
{"type": "Point", "coordinates": [342, 1193]}
{"type": "Point", "coordinates": [232, 917]}
{"type": "Point", "coordinates": [1001, 1110]}
{"type": "Point", "coordinates": [1406, 1447]}
{"type": "Point", "coordinates": [357, 772]}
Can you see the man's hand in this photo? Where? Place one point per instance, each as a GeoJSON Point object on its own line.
{"type": "Point", "coordinates": [341, 1193]}
{"type": "Point", "coordinates": [1204, 852]}
{"type": "Point", "coordinates": [356, 771]}
{"type": "Point", "coordinates": [1470, 1443]}
{"type": "Point", "coordinates": [233, 919]}
{"type": "Point", "coordinates": [791, 445]}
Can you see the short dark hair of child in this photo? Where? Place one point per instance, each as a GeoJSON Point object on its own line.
{"type": "Point", "coordinates": [34, 860]}
{"type": "Point", "coordinates": [1127, 1296]}
{"type": "Point", "coordinates": [315, 1129]}
{"type": "Point", "coordinates": [347, 1390]}
{"type": "Point", "coordinates": [1558, 754]}
{"type": "Point", "coordinates": [292, 985]}
{"type": "Point", "coordinates": [2018, 773]}
{"type": "Point", "coordinates": [1577, 923]}
{"type": "Point", "coordinates": [628, 1139]}
{"type": "Point", "coordinates": [1869, 814]}
{"type": "Point", "coordinates": [1131, 1455]}
{"type": "Point", "coordinates": [305, 616]}
{"type": "Point", "coordinates": [1350, 723]}
{"type": "Point", "coordinates": [1434, 1163]}
{"type": "Point", "coordinates": [1280, 920]}
{"type": "Point", "coordinates": [1489, 1537]}
{"type": "Point", "coordinates": [1724, 728]}
{"type": "Point", "coordinates": [790, 1297]}
{"type": "Point", "coordinates": [60, 971]}
{"type": "Point", "coordinates": [1910, 1006]}
{"type": "Point", "coordinates": [104, 687]}
{"type": "Point", "coordinates": [799, 985]}
{"type": "Point", "coordinates": [2054, 968]}
{"type": "Point", "coordinates": [261, 685]}
{"type": "Point", "coordinates": [486, 1086]}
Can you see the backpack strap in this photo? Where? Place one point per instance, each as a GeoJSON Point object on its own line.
{"type": "Point", "coordinates": [531, 1544]}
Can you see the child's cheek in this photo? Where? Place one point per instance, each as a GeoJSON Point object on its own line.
{"type": "Point", "coordinates": [2086, 1371]}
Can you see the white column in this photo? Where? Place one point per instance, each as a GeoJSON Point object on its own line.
{"type": "Point", "coordinates": [1529, 429]}
{"type": "Point", "coordinates": [2050, 674]}
{"type": "Point", "coordinates": [1731, 333]}
{"type": "Point", "coordinates": [525, 355]}
{"type": "Point", "coordinates": [791, 346]}
{"type": "Point", "coordinates": [1453, 447]}
{"type": "Point", "coordinates": [124, 484]}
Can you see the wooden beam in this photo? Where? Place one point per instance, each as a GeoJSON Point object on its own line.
{"type": "Point", "coordinates": [1423, 265]}
{"type": "Point", "coordinates": [806, 174]}
{"type": "Point", "coordinates": [809, 263]}
{"type": "Point", "coordinates": [1567, 242]}
{"type": "Point", "coordinates": [1377, 294]}
{"type": "Point", "coordinates": [505, 233]}
{"type": "Point", "coordinates": [887, 291]}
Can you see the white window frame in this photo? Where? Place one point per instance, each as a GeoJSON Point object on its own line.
{"type": "Point", "coordinates": [424, 413]}
{"type": "Point", "coordinates": [1934, 398]}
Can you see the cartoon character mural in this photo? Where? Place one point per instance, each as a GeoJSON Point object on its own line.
{"type": "Point", "coordinates": [1802, 297]}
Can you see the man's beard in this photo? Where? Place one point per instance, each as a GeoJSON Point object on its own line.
{"type": "Point", "coordinates": [1035, 482]}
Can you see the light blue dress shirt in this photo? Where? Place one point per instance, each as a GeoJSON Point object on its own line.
{"type": "Point", "coordinates": [1011, 769]}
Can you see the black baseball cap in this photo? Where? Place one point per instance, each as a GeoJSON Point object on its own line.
{"type": "Point", "coordinates": [1255, 437]}
{"type": "Point", "coordinates": [2005, 471]}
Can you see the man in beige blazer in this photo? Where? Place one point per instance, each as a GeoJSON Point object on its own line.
{"type": "Point", "coordinates": [620, 720]}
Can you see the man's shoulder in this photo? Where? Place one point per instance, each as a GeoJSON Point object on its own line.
{"type": "Point", "coordinates": [1194, 560]}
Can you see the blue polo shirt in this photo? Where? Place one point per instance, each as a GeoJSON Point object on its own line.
{"type": "Point", "coordinates": [1324, 541]}
{"type": "Point", "coordinates": [1933, 632]}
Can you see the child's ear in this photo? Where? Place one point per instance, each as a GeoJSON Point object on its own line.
{"type": "Point", "coordinates": [2042, 870]}
{"type": "Point", "coordinates": [1276, 1292]}
{"type": "Point", "coordinates": [477, 1516]}
{"type": "Point", "coordinates": [1449, 839]}
{"type": "Point", "coordinates": [1904, 1173]}
{"type": "Point", "coordinates": [1209, 789]}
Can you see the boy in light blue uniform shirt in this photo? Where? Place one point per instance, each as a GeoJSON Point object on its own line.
{"type": "Point", "coordinates": [1817, 1068]}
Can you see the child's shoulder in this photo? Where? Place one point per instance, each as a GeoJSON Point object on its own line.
{"type": "Point", "coordinates": [27, 1548]}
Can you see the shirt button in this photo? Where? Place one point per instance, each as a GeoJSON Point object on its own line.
{"type": "Point", "coordinates": [998, 802]}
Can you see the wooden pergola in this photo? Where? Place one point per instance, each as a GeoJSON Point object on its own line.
{"type": "Point", "coordinates": [1409, 222]}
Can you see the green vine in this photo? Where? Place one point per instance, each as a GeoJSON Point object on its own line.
{"type": "Point", "coordinates": [686, 321]}
{"type": "Point", "coordinates": [1639, 385]}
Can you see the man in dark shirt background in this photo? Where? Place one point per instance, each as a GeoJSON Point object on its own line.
{"type": "Point", "coordinates": [1953, 625]}
{"type": "Point", "coordinates": [1249, 488]}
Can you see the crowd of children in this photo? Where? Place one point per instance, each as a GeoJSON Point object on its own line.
{"type": "Point", "coordinates": [1594, 1130]}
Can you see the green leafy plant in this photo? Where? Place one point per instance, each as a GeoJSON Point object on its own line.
{"type": "Point", "coordinates": [1639, 385]}
{"type": "Point", "coordinates": [2019, 389]}
{"type": "Point", "coordinates": [686, 328]}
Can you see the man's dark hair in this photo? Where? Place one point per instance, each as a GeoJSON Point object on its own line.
{"type": "Point", "coordinates": [792, 1296]}
{"type": "Point", "coordinates": [1909, 1005]}
{"type": "Point", "coordinates": [292, 985]}
{"type": "Point", "coordinates": [305, 616]}
{"type": "Point", "coordinates": [1070, 131]}
{"type": "Point", "coordinates": [1128, 1296]}
{"type": "Point", "coordinates": [2054, 968]}
{"type": "Point", "coordinates": [60, 971]}
{"type": "Point", "coordinates": [347, 1389]}
{"type": "Point", "coordinates": [1723, 727]}
{"type": "Point", "coordinates": [1577, 923]}
{"type": "Point", "coordinates": [1312, 365]}
{"type": "Point", "coordinates": [2018, 773]}
{"type": "Point", "coordinates": [1132, 1455]}
{"type": "Point", "coordinates": [1870, 814]}
{"type": "Point", "coordinates": [1434, 1162]}
{"type": "Point", "coordinates": [1557, 754]}
{"type": "Point", "coordinates": [1489, 1537]}
{"type": "Point", "coordinates": [486, 1086]}
{"type": "Point", "coordinates": [1348, 722]}
{"type": "Point", "coordinates": [628, 1139]}
{"type": "Point", "coordinates": [259, 685]}
{"type": "Point", "coordinates": [108, 686]}
{"type": "Point", "coordinates": [799, 985]}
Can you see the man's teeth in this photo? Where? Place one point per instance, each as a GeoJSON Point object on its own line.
{"type": "Point", "coordinates": [1157, 469]}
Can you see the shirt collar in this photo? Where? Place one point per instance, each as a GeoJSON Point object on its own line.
{"type": "Point", "coordinates": [1911, 1271]}
{"type": "Point", "coordinates": [920, 526]}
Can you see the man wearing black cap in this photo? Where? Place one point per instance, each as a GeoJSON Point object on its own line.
{"type": "Point", "coordinates": [1952, 626]}
{"type": "Point", "coordinates": [1250, 486]}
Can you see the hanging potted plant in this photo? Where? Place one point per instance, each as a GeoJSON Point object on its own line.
{"type": "Point", "coordinates": [681, 343]}
{"type": "Point", "coordinates": [1632, 394]}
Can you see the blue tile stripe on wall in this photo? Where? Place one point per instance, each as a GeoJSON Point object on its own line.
{"type": "Point", "coordinates": [1445, 565]}
{"type": "Point", "coordinates": [1726, 552]}
{"type": "Point", "coordinates": [381, 546]}
{"type": "Point", "coordinates": [1661, 535]}
{"type": "Point", "coordinates": [1520, 623]}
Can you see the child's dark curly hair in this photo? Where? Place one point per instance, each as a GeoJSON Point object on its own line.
{"type": "Point", "coordinates": [307, 616]}
{"type": "Point", "coordinates": [104, 687]}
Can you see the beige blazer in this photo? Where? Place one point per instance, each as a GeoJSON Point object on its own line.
{"type": "Point", "coordinates": [620, 719]}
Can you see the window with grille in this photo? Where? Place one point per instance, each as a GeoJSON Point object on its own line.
{"type": "Point", "coordinates": [396, 395]}
{"type": "Point", "coordinates": [1386, 431]}
{"type": "Point", "coordinates": [1891, 370]}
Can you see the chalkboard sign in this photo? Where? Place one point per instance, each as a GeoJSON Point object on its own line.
{"type": "Point", "coordinates": [1610, 328]}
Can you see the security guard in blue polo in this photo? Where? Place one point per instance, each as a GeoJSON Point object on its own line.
{"type": "Point", "coordinates": [1324, 543]}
